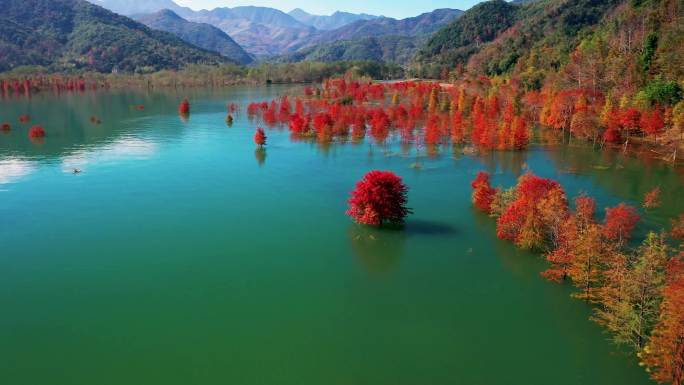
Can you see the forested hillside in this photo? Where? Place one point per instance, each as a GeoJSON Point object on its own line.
{"type": "Point", "coordinates": [74, 34]}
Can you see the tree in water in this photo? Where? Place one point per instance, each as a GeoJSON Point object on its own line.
{"type": "Point", "coordinates": [379, 198]}
{"type": "Point", "coordinates": [260, 137]}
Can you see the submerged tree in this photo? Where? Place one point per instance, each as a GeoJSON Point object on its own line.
{"type": "Point", "coordinates": [483, 192]}
{"type": "Point", "coordinates": [36, 132]}
{"type": "Point", "coordinates": [260, 137]}
{"type": "Point", "coordinates": [184, 107]}
{"type": "Point", "coordinates": [379, 198]}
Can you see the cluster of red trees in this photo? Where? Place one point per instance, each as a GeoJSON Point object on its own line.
{"type": "Point", "coordinates": [592, 115]}
{"type": "Point", "coordinates": [379, 198]}
{"type": "Point", "coordinates": [26, 86]}
{"type": "Point", "coordinates": [638, 293]}
{"type": "Point", "coordinates": [419, 112]}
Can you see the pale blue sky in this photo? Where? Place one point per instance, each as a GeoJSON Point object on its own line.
{"type": "Point", "coordinates": [392, 8]}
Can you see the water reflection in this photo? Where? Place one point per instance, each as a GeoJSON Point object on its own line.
{"type": "Point", "coordinates": [260, 155]}
{"type": "Point", "coordinates": [126, 148]}
{"type": "Point", "coordinates": [378, 249]}
{"type": "Point", "coordinates": [13, 169]}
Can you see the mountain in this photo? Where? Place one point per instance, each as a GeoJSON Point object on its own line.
{"type": "Point", "coordinates": [334, 21]}
{"type": "Point", "coordinates": [494, 36]}
{"type": "Point", "coordinates": [259, 30]}
{"type": "Point", "coordinates": [382, 39]}
{"type": "Point", "coordinates": [200, 34]}
{"type": "Point", "coordinates": [423, 24]}
{"type": "Point", "coordinates": [388, 49]}
{"type": "Point", "coordinates": [136, 7]}
{"type": "Point", "coordinates": [75, 34]}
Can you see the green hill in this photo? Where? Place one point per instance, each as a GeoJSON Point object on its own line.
{"type": "Point", "coordinates": [74, 34]}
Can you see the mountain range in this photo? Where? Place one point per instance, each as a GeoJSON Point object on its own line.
{"type": "Point", "coordinates": [74, 34]}
{"type": "Point", "coordinates": [298, 35]}
{"type": "Point", "coordinates": [326, 23]}
{"type": "Point", "coordinates": [200, 34]}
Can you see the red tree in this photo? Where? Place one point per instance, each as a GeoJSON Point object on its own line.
{"type": "Point", "coordinates": [620, 221]}
{"type": "Point", "coordinates": [184, 107]}
{"type": "Point", "coordinates": [380, 197]}
{"type": "Point", "coordinates": [5, 127]}
{"type": "Point", "coordinates": [652, 198]}
{"type": "Point", "coordinates": [483, 192]}
{"type": "Point", "coordinates": [664, 354]}
{"type": "Point", "coordinates": [36, 132]}
{"type": "Point", "coordinates": [652, 122]}
{"type": "Point", "coordinates": [260, 137]}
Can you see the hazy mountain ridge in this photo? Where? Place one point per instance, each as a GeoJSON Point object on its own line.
{"type": "Point", "coordinates": [323, 22]}
{"type": "Point", "coordinates": [200, 34]}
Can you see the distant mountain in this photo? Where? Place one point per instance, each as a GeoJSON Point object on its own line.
{"type": "Point", "coordinates": [200, 34]}
{"type": "Point", "coordinates": [259, 30]}
{"type": "Point", "coordinates": [334, 21]}
{"type": "Point", "coordinates": [388, 49]}
{"type": "Point", "coordinates": [382, 39]}
{"type": "Point", "coordinates": [423, 24]}
{"type": "Point", "coordinates": [136, 7]}
{"type": "Point", "coordinates": [75, 34]}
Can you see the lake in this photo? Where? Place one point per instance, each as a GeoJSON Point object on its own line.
{"type": "Point", "coordinates": [181, 255]}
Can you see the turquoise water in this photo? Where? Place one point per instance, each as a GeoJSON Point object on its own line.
{"type": "Point", "coordinates": [180, 255]}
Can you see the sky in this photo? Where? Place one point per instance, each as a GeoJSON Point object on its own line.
{"type": "Point", "coordinates": [391, 8]}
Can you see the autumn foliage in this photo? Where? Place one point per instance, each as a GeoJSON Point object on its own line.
{"type": "Point", "coordinates": [5, 127]}
{"type": "Point", "coordinates": [483, 192]}
{"type": "Point", "coordinates": [379, 198]}
{"type": "Point", "coordinates": [184, 107]}
{"type": "Point", "coordinates": [36, 132]}
{"type": "Point", "coordinates": [260, 137]}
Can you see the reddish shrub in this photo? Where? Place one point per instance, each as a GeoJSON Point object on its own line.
{"type": "Point", "coordinates": [36, 132]}
{"type": "Point", "coordinates": [483, 192]}
{"type": "Point", "coordinates": [5, 127]}
{"type": "Point", "coordinates": [24, 118]}
{"type": "Point", "coordinates": [380, 197]}
{"type": "Point", "coordinates": [260, 137]}
{"type": "Point", "coordinates": [184, 107]}
{"type": "Point", "coordinates": [620, 221]}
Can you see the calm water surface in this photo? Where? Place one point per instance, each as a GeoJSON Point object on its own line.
{"type": "Point", "coordinates": [180, 255]}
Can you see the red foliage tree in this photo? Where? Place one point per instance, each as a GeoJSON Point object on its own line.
{"type": "Point", "coordinates": [520, 135]}
{"type": "Point", "coordinates": [5, 127]}
{"type": "Point", "coordinates": [483, 192]}
{"type": "Point", "coordinates": [24, 118]}
{"type": "Point", "coordinates": [619, 223]}
{"type": "Point", "coordinates": [664, 354]}
{"type": "Point", "coordinates": [379, 198]}
{"type": "Point", "coordinates": [36, 132]}
{"type": "Point", "coordinates": [184, 107]}
{"type": "Point", "coordinates": [652, 199]}
{"type": "Point", "coordinates": [652, 122]}
{"type": "Point", "coordinates": [260, 137]}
